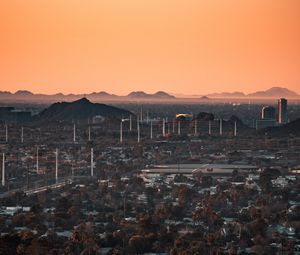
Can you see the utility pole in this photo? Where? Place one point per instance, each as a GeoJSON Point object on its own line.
{"type": "Point", "coordinates": [92, 162]}
{"type": "Point", "coordinates": [56, 165]}
{"type": "Point", "coordinates": [74, 132]}
{"type": "Point", "coordinates": [235, 129]}
{"type": "Point", "coordinates": [151, 130]}
{"type": "Point", "coordinates": [138, 131]}
{"type": "Point", "coordinates": [37, 159]}
{"type": "Point", "coordinates": [3, 169]}
{"type": "Point", "coordinates": [164, 128]}
{"type": "Point", "coordinates": [130, 123]}
{"type": "Point", "coordinates": [121, 131]}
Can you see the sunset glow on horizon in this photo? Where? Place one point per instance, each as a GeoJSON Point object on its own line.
{"type": "Point", "coordinates": [118, 46]}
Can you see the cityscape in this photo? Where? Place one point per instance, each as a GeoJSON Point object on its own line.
{"type": "Point", "coordinates": [155, 127]}
{"type": "Point", "coordinates": [89, 178]}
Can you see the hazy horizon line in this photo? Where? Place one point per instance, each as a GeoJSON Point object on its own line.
{"type": "Point", "coordinates": [145, 91]}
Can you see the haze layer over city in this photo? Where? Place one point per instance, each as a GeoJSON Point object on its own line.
{"type": "Point", "coordinates": [150, 127]}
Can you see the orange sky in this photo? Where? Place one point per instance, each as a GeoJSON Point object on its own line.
{"type": "Point", "coordinates": [180, 46]}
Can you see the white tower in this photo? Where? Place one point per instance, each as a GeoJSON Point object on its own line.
{"type": "Point", "coordinates": [89, 135]}
{"type": "Point", "coordinates": [130, 123]}
{"type": "Point", "coordinates": [209, 127]}
{"type": "Point", "coordinates": [221, 126]}
{"type": "Point", "coordinates": [179, 131]}
{"type": "Point", "coordinates": [3, 169]}
{"type": "Point", "coordinates": [164, 128]}
{"type": "Point", "coordinates": [235, 129]}
{"type": "Point", "coordinates": [74, 133]}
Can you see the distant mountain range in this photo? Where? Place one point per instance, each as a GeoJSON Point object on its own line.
{"type": "Point", "coordinates": [142, 94]}
{"type": "Point", "coordinates": [274, 92]}
{"type": "Point", "coordinates": [81, 109]}
{"type": "Point", "coordinates": [24, 95]}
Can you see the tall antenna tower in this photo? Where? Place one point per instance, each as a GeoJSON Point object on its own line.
{"type": "Point", "coordinates": [151, 130]}
{"type": "Point", "coordinates": [130, 123]}
{"type": "Point", "coordinates": [164, 128]}
{"type": "Point", "coordinates": [37, 159]}
{"type": "Point", "coordinates": [92, 162]}
{"type": "Point", "coordinates": [195, 131]}
{"type": "Point", "coordinates": [209, 127]}
{"type": "Point", "coordinates": [3, 169]}
{"type": "Point", "coordinates": [74, 132]}
{"type": "Point", "coordinates": [179, 128]}
{"type": "Point", "coordinates": [235, 129]}
{"type": "Point", "coordinates": [138, 130]}
{"type": "Point", "coordinates": [221, 126]}
{"type": "Point", "coordinates": [121, 131]}
{"type": "Point", "coordinates": [89, 135]}
{"type": "Point", "coordinates": [56, 165]}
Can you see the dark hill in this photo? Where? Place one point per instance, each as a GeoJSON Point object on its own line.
{"type": "Point", "coordinates": [80, 109]}
{"type": "Point", "coordinates": [242, 128]}
{"type": "Point", "coordinates": [204, 116]}
{"type": "Point", "coordinates": [292, 128]}
{"type": "Point", "coordinates": [234, 119]}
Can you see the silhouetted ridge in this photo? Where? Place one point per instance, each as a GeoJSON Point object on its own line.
{"type": "Point", "coordinates": [81, 109]}
{"type": "Point", "coordinates": [292, 128]}
{"type": "Point", "coordinates": [274, 92]}
{"type": "Point", "coordinates": [236, 119]}
{"type": "Point", "coordinates": [205, 116]}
